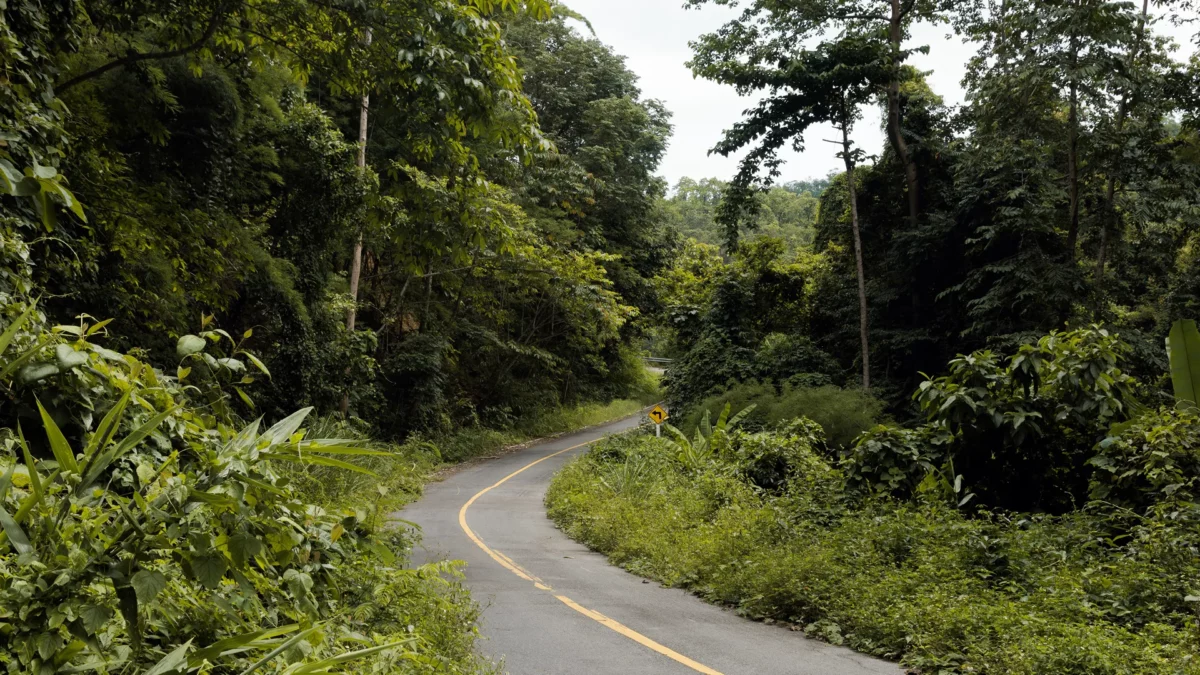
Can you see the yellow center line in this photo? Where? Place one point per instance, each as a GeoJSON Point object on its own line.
{"type": "Point", "coordinates": [516, 569]}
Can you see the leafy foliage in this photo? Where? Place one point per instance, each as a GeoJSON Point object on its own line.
{"type": "Point", "coordinates": [919, 581]}
{"type": "Point", "coordinates": [145, 528]}
{"type": "Point", "coordinates": [1062, 194]}
{"type": "Point", "coordinates": [1020, 432]}
{"type": "Point", "coordinates": [843, 414]}
{"type": "Point", "coordinates": [708, 442]}
{"type": "Point", "coordinates": [1151, 459]}
{"type": "Point", "coordinates": [162, 509]}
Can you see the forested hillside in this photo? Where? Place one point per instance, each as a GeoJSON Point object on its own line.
{"type": "Point", "coordinates": [428, 226]}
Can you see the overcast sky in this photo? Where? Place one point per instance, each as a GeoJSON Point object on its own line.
{"type": "Point", "coordinates": [653, 35]}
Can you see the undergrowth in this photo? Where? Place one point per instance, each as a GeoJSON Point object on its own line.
{"type": "Point", "coordinates": [1097, 591]}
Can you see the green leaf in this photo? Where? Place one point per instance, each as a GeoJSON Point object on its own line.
{"type": "Point", "coordinates": [243, 546]}
{"type": "Point", "coordinates": [128, 443]}
{"type": "Point", "coordinates": [16, 536]}
{"type": "Point", "coordinates": [9, 333]}
{"type": "Point", "coordinates": [188, 345]}
{"type": "Point", "coordinates": [6, 481]}
{"type": "Point", "coordinates": [45, 208]}
{"type": "Point", "coordinates": [1183, 349]}
{"type": "Point", "coordinates": [317, 459]}
{"type": "Point", "coordinates": [108, 426]}
{"type": "Point", "coordinates": [127, 602]}
{"type": "Point", "coordinates": [245, 399]}
{"type": "Point", "coordinates": [283, 430]}
{"type": "Point", "coordinates": [332, 449]}
{"type": "Point", "coordinates": [94, 617]}
{"type": "Point", "coordinates": [212, 498]}
{"type": "Point", "coordinates": [279, 650]}
{"type": "Point", "coordinates": [14, 183]}
{"type": "Point", "coordinates": [239, 643]}
{"type": "Point", "coordinates": [148, 584]}
{"type": "Point", "coordinates": [36, 371]}
{"type": "Point", "coordinates": [12, 366]}
{"type": "Point", "coordinates": [35, 480]}
{"type": "Point", "coordinates": [209, 569]}
{"type": "Point", "coordinates": [323, 666]}
{"type": "Point", "coordinates": [92, 330]}
{"type": "Point", "coordinates": [58, 443]}
{"type": "Point", "coordinates": [175, 662]}
{"type": "Point", "coordinates": [257, 364]}
{"type": "Point", "coordinates": [68, 358]}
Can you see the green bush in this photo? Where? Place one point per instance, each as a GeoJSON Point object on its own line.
{"type": "Point", "coordinates": [772, 461]}
{"type": "Point", "coordinates": [917, 581]}
{"type": "Point", "coordinates": [892, 459]}
{"type": "Point", "coordinates": [842, 413]}
{"type": "Point", "coordinates": [1019, 431]}
{"type": "Point", "coordinates": [1151, 459]}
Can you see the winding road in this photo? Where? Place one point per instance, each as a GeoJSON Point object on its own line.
{"type": "Point", "coordinates": [551, 606]}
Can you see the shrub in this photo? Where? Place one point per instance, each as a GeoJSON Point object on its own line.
{"type": "Point", "coordinates": [1020, 431]}
{"type": "Point", "coordinates": [1151, 459]}
{"type": "Point", "coordinates": [896, 460]}
{"type": "Point", "coordinates": [771, 461]}
{"type": "Point", "coordinates": [842, 413]}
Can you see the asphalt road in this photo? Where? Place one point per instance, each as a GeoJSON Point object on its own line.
{"type": "Point", "coordinates": [552, 606]}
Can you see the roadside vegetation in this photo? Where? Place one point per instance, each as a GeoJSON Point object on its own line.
{"type": "Point", "coordinates": [1038, 521]}
{"type": "Point", "coordinates": [265, 266]}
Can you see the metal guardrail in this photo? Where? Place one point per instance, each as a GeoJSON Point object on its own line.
{"type": "Point", "coordinates": [656, 359]}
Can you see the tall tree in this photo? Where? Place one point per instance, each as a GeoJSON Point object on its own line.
{"type": "Point", "coordinates": [597, 188]}
{"type": "Point", "coordinates": [356, 255]}
{"type": "Point", "coordinates": [847, 113]}
{"type": "Point", "coordinates": [767, 32]}
{"type": "Point", "coordinates": [828, 83]}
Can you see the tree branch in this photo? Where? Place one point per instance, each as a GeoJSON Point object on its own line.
{"type": "Point", "coordinates": [132, 58]}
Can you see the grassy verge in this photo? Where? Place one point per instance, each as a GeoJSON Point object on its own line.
{"type": "Point", "coordinates": [914, 581]}
{"type": "Point", "coordinates": [428, 601]}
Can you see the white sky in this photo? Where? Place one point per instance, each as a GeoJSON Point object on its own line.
{"type": "Point", "coordinates": [653, 35]}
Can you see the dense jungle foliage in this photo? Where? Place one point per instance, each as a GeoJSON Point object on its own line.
{"type": "Point", "coordinates": [1064, 192]}
{"type": "Point", "coordinates": [265, 265]}
{"type": "Point", "coordinates": [942, 429]}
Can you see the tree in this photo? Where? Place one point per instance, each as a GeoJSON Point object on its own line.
{"type": "Point", "coordinates": [597, 189]}
{"type": "Point", "coordinates": [846, 114]}
{"type": "Point", "coordinates": [768, 33]}
{"type": "Point", "coordinates": [828, 83]}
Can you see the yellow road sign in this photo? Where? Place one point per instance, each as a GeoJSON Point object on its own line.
{"type": "Point", "coordinates": [658, 415]}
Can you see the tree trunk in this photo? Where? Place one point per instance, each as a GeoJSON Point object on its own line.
{"type": "Point", "coordinates": [356, 258]}
{"type": "Point", "coordinates": [895, 134]}
{"type": "Point", "coordinates": [858, 254]}
{"type": "Point", "coordinates": [1110, 189]}
{"type": "Point", "coordinates": [1073, 161]}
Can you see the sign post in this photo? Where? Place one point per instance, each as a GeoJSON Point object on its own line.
{"type": "Point", "coordinates": [658, 415]}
